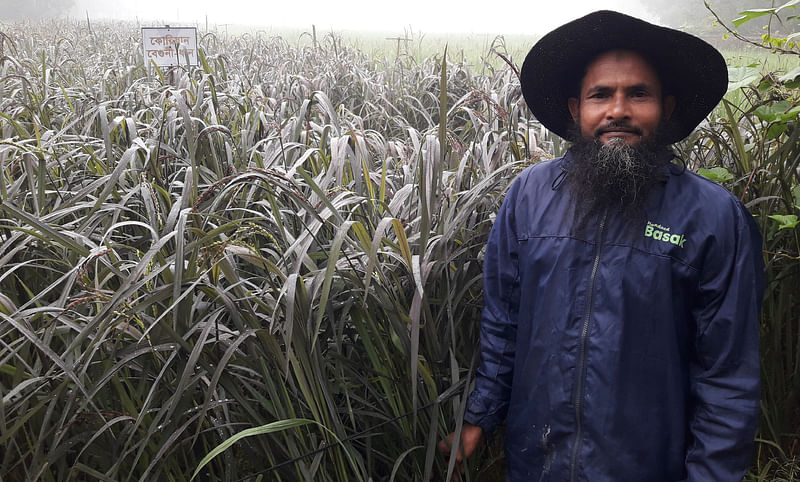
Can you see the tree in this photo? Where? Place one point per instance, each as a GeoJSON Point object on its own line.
{"type": "Point", "coordinates": [693, 15]}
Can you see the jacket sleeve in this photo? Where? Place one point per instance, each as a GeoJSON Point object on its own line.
{"type": "Point", "coordinates": [488, 403]}
{"type": "Point", "coordinates": [725, 372]}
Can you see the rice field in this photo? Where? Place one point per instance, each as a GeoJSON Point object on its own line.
{"type": "Point", "coordinates": [279, 248]}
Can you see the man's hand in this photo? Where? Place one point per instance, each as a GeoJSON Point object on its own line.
{"type": "Point", "coordinates": [471, 436]}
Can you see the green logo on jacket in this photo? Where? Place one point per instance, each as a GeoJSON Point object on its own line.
{"type": "Point", "coordinates": [661, 233]}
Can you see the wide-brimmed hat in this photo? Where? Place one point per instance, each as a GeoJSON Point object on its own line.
{"type": "Point", "coordinates": [689, 68]}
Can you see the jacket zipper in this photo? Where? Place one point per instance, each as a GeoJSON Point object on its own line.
{"type": "Point", "coordinates": [581, 366]}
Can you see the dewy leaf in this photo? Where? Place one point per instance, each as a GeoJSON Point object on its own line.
{"type": "Point", "coordinates": [787, 221]}
{"type": "Point", "coordinates": [716, 174]}
{"type": "Point", "coordinates": [766, 83]}
{"type": "Point", "coordinates": [796, 195]}
{"type": "Point", "coordinates": [775, 130]}
{"type": "Point", "coordinates": [742, 76]}
{"type": "Point", "coordinates": [789, 4]}
{"type": "Point", "coordinates": [777, 111]}
{"type": "Point", "coordinates": [791, 75]}
{"type": "Point", "coordinates": [263, 429]}
{"type": "Point", "coordinates": [748, 15]}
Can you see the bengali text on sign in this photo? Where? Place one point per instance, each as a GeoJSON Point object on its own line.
{"type": "Point", "coordinates": [170, 46]}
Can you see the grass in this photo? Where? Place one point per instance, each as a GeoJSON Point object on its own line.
{"type": "Point", "coordinates": [247, 245]}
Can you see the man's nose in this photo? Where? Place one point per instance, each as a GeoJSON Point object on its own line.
{"type": "Point", "coordinates": [619, 108]}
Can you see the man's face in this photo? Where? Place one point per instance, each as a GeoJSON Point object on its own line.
{"type": "Point", "coordinates": [620, 99]}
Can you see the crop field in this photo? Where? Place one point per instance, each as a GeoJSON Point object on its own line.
{"type": "Point", "coordinates": [279, 250]}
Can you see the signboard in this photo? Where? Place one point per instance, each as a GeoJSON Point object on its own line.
{"type": "Point", "coordinates": [170, 46]}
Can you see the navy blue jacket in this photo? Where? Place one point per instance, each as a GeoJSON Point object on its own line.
{"type": "Point", "coordinates": [628, 350]}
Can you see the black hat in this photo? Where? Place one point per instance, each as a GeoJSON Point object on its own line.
{"type": "Point", "coordinates": [689, 68]}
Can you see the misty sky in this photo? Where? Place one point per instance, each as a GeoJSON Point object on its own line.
{"type": "Point", "coordinates": [484, 16]}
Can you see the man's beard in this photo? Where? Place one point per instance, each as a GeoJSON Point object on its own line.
{"type": "Point", "coordinates": [615, 176]}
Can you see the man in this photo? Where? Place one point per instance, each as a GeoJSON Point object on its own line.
{"type": "Point", "coordinates": [619, 337]}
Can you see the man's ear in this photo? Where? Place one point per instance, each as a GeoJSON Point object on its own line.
{"type": "Point", "coordinates": [668, 107]}
{"type": "Point", "coordinates": [574, 104]}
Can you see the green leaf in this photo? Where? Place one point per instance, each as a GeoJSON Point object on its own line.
{"type": "Point", "coordinates": [263, 429]}
{"type": "Point", "coordinates": [796, 195]}
{"type": "Point", "coordinates": [776, 129]}
{"type": "Point", "coordinates": [201, 54]}
{"type": "Point", "coordinates": [782, 110]}
{"type": "Point", "coordinates": [789, 4]}
{"type": "Point", "coordinates": [739, 77]}
{"type": "Point", "coordinates": [778, 42]}
{"type": "Point", "coordinates": [787, 221]}
{"type": "Point", "coordinates": [766, 84]}
{"type": "Point", "coordinates": [716, 174]}
{"type": "Point", "coordinates": [55, 235]}
{"type": "Point", "coordinates": [333, 258]}
{"type": "Point", "coordinates": [748, 15]}
{"type": "Point", "coordinates": [6, 305]}
{"type": "Point", "coordinates": [791, 75]}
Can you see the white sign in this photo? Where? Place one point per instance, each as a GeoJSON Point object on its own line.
{"type": "Point", "coordinates": [170, 46]}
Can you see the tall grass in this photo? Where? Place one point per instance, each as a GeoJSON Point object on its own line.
{"type": "Point", "coordinates": [284, 242]}
{"type": "Point", "coordinates": [279, 234]}
{"type": "Point", "coordinates": [752, 146]}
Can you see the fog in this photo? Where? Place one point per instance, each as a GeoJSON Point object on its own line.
{"type": "Point", "coordinates": [439, 16]}
{"type": "Point", "coordinates": [467, 16]}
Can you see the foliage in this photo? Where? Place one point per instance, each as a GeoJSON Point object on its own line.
{"type": "Point", "coordinates": [757, 142]}
{"type": "Point", "coordinates": [281, 234]}
{"type": "Point", "coordinates": [688, 14]}
{"type": "Point", "coordinates": [778, 34]}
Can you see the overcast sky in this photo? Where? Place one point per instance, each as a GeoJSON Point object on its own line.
{"type": "Point", "coordinates": [468, 16]}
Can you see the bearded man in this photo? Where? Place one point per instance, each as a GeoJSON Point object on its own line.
{"type": "Point", "coordinates": [619, 337]}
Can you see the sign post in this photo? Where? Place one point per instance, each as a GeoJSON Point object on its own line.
{"type": "Point", "coordinates": [170, 46]}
